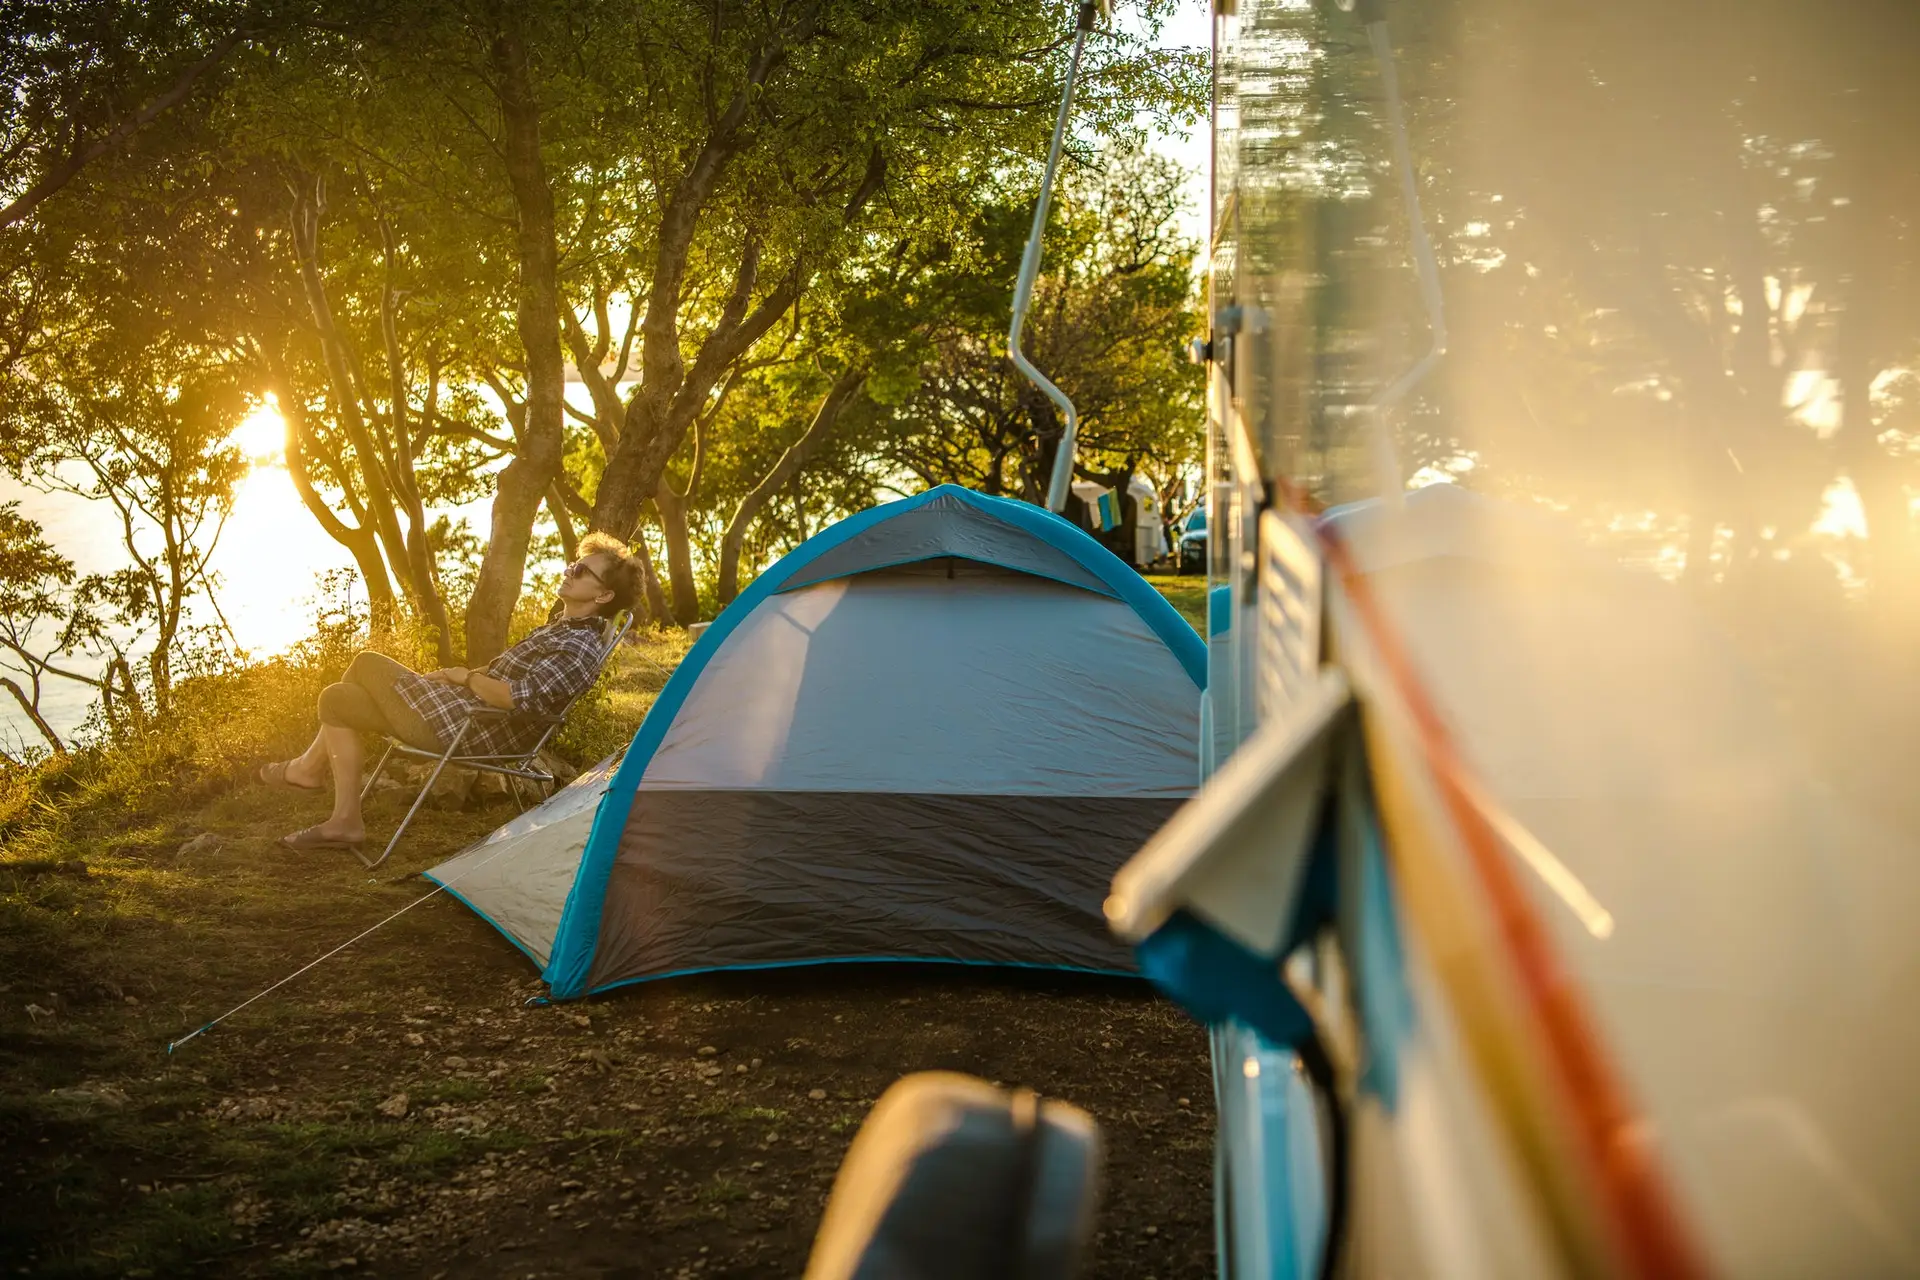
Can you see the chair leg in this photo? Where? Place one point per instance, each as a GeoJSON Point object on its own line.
{"type": "Point", "coordinates": [518, 800]}
{"type": "Point", "coordinates": [418, 800]}
{"type": "Point", "coordinates": [367, 788]}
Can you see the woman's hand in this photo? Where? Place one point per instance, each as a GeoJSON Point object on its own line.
{"type": "Point", "coordinates": [450, 675]}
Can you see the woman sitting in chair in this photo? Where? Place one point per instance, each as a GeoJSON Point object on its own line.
{"type": "Point", "coordinates": [543, 673]}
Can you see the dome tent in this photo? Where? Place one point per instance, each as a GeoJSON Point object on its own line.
{"type": "Point", "coordinates": [931, 732]}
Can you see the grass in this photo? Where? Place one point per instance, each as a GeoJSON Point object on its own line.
{"type": "Point", "coordinates": [1186, 593]}
{"type": "Point", "coordinates": [125, 933]}
{"type": "Point", "coordinates": [448, 1090]}
{"type": "Point", "coordinates": [722, 1190]}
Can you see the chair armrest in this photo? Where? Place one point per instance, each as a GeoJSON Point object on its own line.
{"type": "Point", "coordinates": [529, 717]}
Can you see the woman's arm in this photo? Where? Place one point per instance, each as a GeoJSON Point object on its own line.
{"type": "Point", "coordinates": [493, 691]}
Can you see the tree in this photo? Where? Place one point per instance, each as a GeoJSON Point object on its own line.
{"type": "Point", "coordinates": [145, 438]}
{"type": "Point", "coordinates": [1112, 311]}
{"type": "Point", "coordinates": [821, 128]}
{"type": "Point", "coordinates": [82, 77]}
{"type": "Point", "coordinates": [1682, 269]}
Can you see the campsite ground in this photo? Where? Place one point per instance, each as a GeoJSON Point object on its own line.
{"type": "Point", "coordinates": [402, 1111]}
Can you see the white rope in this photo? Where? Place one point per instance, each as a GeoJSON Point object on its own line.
{"type": "Point", "coordinates": [442, 888]}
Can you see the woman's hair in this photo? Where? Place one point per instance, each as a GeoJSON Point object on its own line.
{"type": "Point", "coordinates": [621, 575]}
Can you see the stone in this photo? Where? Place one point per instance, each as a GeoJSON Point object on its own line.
{"type": "Point", "coordinates": [394, 1107]}
{"type": "Point", "coordinates": [818, 1095]}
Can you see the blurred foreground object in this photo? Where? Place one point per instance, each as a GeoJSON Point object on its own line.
{"type": "Point", "coordinates": [951, 1178]}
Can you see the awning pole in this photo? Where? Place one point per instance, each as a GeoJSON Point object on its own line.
{"type": "Point", "coordinates": [1061, 480]}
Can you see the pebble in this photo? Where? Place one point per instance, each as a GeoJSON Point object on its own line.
{"type": "Point", "coordinates": [818, 1095]}
{"type": "Point", "coordinates": [396, 1106]}
{"type": "Point", "coordinates": [707, 1051]}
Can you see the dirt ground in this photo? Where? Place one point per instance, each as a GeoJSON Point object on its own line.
{"type": "Point", "coordinates": [403, 1110]}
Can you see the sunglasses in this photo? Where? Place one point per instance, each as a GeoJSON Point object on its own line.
{"type": "Point", "coordinates": [579, 567]}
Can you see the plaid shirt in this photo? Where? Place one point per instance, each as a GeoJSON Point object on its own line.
{"type": "Point", "coordinates": [556, 663]}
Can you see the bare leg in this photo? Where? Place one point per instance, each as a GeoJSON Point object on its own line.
{"type": "Point", "coordinates": [344, 752]}
{"type": "Point", "coordinates": [309, 768]}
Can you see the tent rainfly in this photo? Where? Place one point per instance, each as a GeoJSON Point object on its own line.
{"type": "Point", "coordinates": [931, 732]}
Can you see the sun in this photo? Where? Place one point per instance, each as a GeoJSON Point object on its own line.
{"type": "Point", "coordinates": [261, 435]}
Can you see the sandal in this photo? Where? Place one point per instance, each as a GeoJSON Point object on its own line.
{"type": "Point", "coordinates": [274, 774]}
{"type": "Point", "coordinates": [312, 840]}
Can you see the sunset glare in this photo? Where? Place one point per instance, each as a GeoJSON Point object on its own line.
{"type": "Point", "coordinates": [261, 435]}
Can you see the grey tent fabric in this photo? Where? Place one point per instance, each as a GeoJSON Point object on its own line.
{"type": "Point", "coordinates": [937, 739]}
{"type": "Point", "coordinates": [522, 871]}
{"type": "Point", "coordinates": [1014, 880]}
{"type": "Point", "coordinates": [946, 526]}
{"type": "Point", "coordinates": [1031, 687]}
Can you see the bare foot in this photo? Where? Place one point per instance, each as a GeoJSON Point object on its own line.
{"type": "Point", "coordinates": [301, 777]}
{"type": "Point", "coordinates": [284, 773]}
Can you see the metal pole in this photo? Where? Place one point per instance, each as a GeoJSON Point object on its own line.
{"type": "Point", "coordinates": [1062, 477]}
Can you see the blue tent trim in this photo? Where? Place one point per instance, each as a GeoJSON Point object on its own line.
{"type": "Point", "coordinates": [579, 931]}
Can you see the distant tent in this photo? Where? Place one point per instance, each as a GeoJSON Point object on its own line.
{"type": "Point", "coordinates": [932, 732]}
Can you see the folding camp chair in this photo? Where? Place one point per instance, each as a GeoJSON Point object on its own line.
{"type": "Point", "coordinates": [521, 766]}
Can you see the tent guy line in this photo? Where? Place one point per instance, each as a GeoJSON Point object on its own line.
{"type": "Point", "coordinates": [372, 929]}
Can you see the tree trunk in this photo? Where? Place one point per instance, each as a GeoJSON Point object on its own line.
{"type": "Point", "coordinates": [427, 599]}
{"type": "Point", "coordinates": [32, 710]}
{"type": "Point", "coordinates": [524, 482]}
{"type": "Point", "coordinates": [557, 508]}
{"type": "Point", "coordinates": [837, 399]}
{"type": "Point", "coordinates": [359, 542]}
{"type": "Point", "coordinates": [379, 513]}
{"type": "Point", "coordinates": [673, 529]}
{"type": "Point", "coordinates": [649, 580]}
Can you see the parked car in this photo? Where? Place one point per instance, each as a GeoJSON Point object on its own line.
{"type": "Point", "coordinates": [1192, 556]}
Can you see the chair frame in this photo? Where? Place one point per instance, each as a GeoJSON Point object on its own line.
{"type": "Point", "coordinates": [516, 767]}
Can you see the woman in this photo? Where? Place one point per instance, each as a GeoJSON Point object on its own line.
{"type": "Point", "coordinates": [539, 676]}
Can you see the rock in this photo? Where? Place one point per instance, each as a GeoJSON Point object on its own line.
{"type": "Point", "coordinates": [255, 1108]}
{"type": "Point", "coordinates": [1186, 1102]}
{"type": "Point", "coordinates": [740, 1069]}
{"type": "Point", "coordinates": [562, 772]}
{"type": "Point", "coordinates": [415, 1039]}
{"type": "Point", "coordinates": [818, 1095]}
{"type": "Point", "coordinates": [205, 842]}
{"type": "Point", "coordinates": [395, 1107]}
{"type": "Point", "coordinates": [708, 1051]}
{"type": "Point", "coordinates": [454, 1063]}
{"type": "Point", "coordinates": [102, 1095]}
